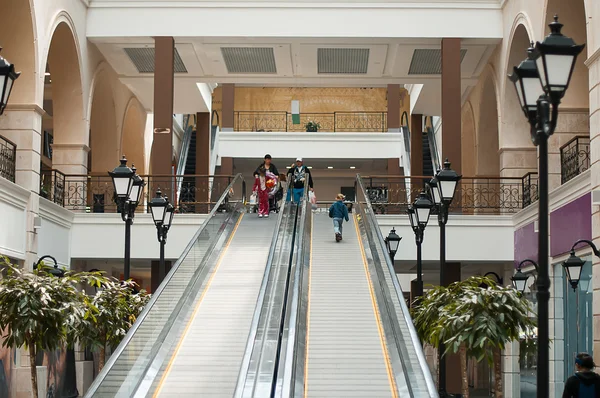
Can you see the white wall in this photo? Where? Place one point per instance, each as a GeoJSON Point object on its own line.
{"type": "Point", "coordinates": [13, 218]}
{"type": "Point", "coordinates": [311, 145]}
{"type": "Point", "coordinates": [54, 236]}
{"type": "Point", "coordinates": [102, 236]}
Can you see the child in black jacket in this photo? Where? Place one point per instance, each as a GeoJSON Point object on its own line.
{"type": "Point", "coordinates": [339, 212]}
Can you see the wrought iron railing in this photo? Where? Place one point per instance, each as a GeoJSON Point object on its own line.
{"type": "Point", "coordinates": [329, 122]}
{"type": "Point", "coordinates": [8, 158]}
{"type": "Point", "coordinates": [95, 193]}
{"type": "Point", "coordinates": [574, 158]}
{"type": "Point", "coordinates": [530, 188]}
{"type": "Point", "coordinates": [52, 186]}
{"type": "Point", "coordinates": [474, 195]}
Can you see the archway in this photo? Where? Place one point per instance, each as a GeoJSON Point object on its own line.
{"type": "Point", "coordinates": [488, 158]}
{"type": "Point", "coordinates": [64, 125]}
{"type": "Point", "coordinates": [104, 137]}
{"type": "Point", "coordinates": [132, 139]}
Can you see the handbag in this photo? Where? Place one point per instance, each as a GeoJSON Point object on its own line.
{"type": "Point", "coordinates": [313, 200]}
{"type": "Point", "coordinates": [253, 199]}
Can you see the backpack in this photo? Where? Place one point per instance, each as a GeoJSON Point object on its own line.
{"type": "Point", "coordinates": [586, 390]}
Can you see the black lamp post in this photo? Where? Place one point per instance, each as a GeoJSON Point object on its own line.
{"type": "Point", "coordinates": [128, 188]}
{"type": "Point", "coordinates": [70, 383]}
{"type": "Point", "coordinates": [443, 188]}
{"type": "Point", "coordinates": [392, 241]}
{"type": "Point", "coordinates": [573, 265]}
{"type": "Point", "coordinates": [519, 279]}
{"type": "Point", "coordinates": [162, 214]}
{"type": "Point", "coordinates": [7, 78]}
{"type": "Point", "coordinates": [419, 214]}
{"type": "Point", "coordinates": [541, 82]}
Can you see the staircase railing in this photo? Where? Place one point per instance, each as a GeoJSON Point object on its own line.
{"type": "Point", "coordinates": [185, 147]}
{"type": "Point", "coordinates": [435, 155]}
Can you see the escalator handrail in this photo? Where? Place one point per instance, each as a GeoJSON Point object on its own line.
{"type": "Point", "coordinates": [245, 366]}
{"type": "Point", "coordinates": [398, 290]}
{"type": "Point", "coordinates": [140, 319]}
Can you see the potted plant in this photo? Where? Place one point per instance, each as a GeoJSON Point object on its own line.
{"type": "Point", "coordinates": [312, 127]}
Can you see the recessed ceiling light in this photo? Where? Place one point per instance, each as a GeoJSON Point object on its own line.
{"type": "Point", "coordinates": [47, 74]}
{"type": "Point", "coordinates": [330, 167]}
{"type": "Point", "coordinates": [352, 167]}
{"type": "Point", "coordinates": [288, 167]}
{"type": "Point", "coordinates": [309, 167]}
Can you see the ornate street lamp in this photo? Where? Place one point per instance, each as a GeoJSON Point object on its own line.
{"type": "Point", "coordinates": [519, 280]}
{"type": "Point", "coordinates": [128, 188]}
{"type": "Point", "coordinates": [573, 266]}
{"type": "Point", "coordinates": [162, 214]}
{"type": "Point", "coordinates": [443, 188]}
{"type": "Point", "coordinates": [7, 79]}
{"type": "Point", "coordinates": [392, 241]}
{"type": "Point", "coordinates": [555, 60]}
{"type": "Point", "coordinates": [419, 213]}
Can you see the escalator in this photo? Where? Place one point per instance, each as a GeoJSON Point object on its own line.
{"type": "Point", "coordinates": [427, 159]}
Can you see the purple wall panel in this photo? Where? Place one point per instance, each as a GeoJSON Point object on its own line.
{"type": "Point", "coordinates": [571, 222]}
{"type": "Point", "coordinates": [526, 243]}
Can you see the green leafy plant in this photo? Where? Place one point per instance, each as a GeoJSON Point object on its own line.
{"type": "Point", "coordinates": [312, 126]}
{"type": "Point", "coordinates": [475, 318]}
{"type": "Point", "coordinates": [40, 311]}
{"type": "Point", "coordinates": [110, 314]}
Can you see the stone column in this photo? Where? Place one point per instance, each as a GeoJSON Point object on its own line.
{"type": "Point", "coordinates": [393, 107]}
{"type": "Point", "coordinates": [228, 107]}
{"type": "Point", "coordinates": [451, 103]}
{"type": "Point", "coordinates": [162, 144]}
{"type": "Point", "coordinates": [593, 63]}
{"type": "Point", "coordinates": [70, 158]}
{"type": "Point", "coordinates": [416, 151]}
{"type": "Point", "coordinates": [22, 125]}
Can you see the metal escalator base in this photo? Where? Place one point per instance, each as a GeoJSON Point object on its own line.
{"type": "Point", "coordinates": [206, 360]}
{"type": "Point", "coordinates": [346, 353]}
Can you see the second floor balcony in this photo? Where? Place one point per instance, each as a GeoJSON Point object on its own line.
{"type": "Point", "coordinates": [282, 121]}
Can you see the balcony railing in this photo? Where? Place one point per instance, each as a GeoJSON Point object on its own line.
{"type": "Point", "coordinates": [329, 122]}
{"type": "Point", "coordinates": [52, 186]}
{"type": "Point", "coordinates": [474, 195]}
{"type": "Point", "coordinates": [8, 158]}
{"type": "Point", "coordinates": [574, 158]}
{"type": "Point", "coordinates": [95, 193]}
{"type": "Point", "coordinates": [530, 188]}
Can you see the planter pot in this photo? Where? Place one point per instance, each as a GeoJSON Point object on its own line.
{"type": "Point", "coordinates": [311, 130]}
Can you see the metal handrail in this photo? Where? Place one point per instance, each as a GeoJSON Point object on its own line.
{"type": "Point", "coordinates": [140, 319]}
{"type": "Point", "coordinates": [398, 290]}
{"type": "Point", "coordinates": [245, 366]}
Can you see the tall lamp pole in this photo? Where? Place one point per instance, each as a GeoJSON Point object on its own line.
{"type": "Point", "coordinates": [162, 214]}
{"type": "Point", "coordinates": [128, 188]}
{"type": "Point", "coordinates": [541, 81]}
{"type": "Point", "coordinates": [70, 383]}
{"type": "Point", "coordinates": [443, 188]}
{"type": "Point", "coordinates": [419, 213]}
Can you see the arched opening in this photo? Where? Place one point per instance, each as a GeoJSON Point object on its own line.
{"type": "Point", "coordinates": [104, 138]}
{"type": "Point", "coordinates": [65, 136]}
{"type": "Point", "coordinates": [488, 158]}
{"type": "Point", "coordinates": [468, 141]}
{"type": "Point", "coordinates": [18, 42]}
{"type": "Point", "coordinates": [133, 145]}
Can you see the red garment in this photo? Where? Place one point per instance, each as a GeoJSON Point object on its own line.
{"type": "Point", "coordinates": [263, 196]}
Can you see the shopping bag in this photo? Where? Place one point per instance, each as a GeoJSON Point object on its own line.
{"type": "Point", "coordinates": [313, 200]}
{"type": "Point", "coordinates": [253, 199]}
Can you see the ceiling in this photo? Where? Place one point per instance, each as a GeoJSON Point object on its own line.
{"type": "Point", "coordinates": [320, 62]}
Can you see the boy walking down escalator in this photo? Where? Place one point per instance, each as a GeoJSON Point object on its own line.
{"type": "Point", "coordinates": [339, 212]}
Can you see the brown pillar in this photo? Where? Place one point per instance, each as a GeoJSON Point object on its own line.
{"type": "Point", "coordinates": [413, 291]}
{"type": "Point", "coordinates": [203, 193]}
{"type": "Point", "coordinates": [228, 106]}
{"type": "Point", "coordinates": [393, 107]}
{"type": "Point", "coordinates": [162, 144]}
{"type": "Point", "coordinates": [453, 376]}
{"type": "Point", "coordinates": [226, 166]}
{"type": "Point", "coordinates": [451, 103]}
{"type": "Point", "coordinates": [396, 186]}
{"type": "Point", "coordinates": [154, 273]}
{"type": "Point", "coordinates": [416, 150]}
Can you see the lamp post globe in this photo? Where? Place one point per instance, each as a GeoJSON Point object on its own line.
{"type": "Point", "coordinates": [422, 208]}
{"type": "Point", "coordinates": [447, 180]}
{"type": "Point", "coordinates": [519, 280]}
{"type": "Point", "coordinates": [555, 57]}
{"type": "Point", "coordinates": [392, 241]}
{"type": "Point", "coordinates": [412, 216]}
{"type": "Point", "coordinates": [137, 187]}
{"type": "Point", "coordinates": [122, 179]}
{"type": "Point", "coordinates": [573, 266]}
{"type": "Point", "coordinates": [434, 191]}
{"type": "Point", "coordinates": [158, 208]}
{"type": "Point", "coordinates": [7, 79]}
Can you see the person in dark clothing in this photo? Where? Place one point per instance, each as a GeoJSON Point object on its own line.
{"type": "Point", "coordinates": [268, 166]}
{"type": "Point", "coordinates": [297, 174]}
{"type": "Point", "coordinates": [585, 383]}
{"type": "Point", "coordinates": [339, 212]}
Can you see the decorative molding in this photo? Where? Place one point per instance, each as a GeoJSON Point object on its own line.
{"type": "Point", "coordinates": [592, 58]}
{"type": "Point", "coordinates": [13, 194]}
{"type": "Point", "coordinates": [83, 147]}
{"type": "Point", "coordinates": [515, 149]}
{"type": "Point", "coordinates": [455, 220]}
{"type": "Point", "coordinates": [52, 212]}
{"type": "Point", "coordinates": [19, 255]}
{"type": "Point", "coordinates": [26, 107]}
{"type": "Point", "coordinates": [565, 194]}
{"type": "Point", "coordinates": [140, 219]}
{"type": "Point", "coordinates": [313, 137]}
